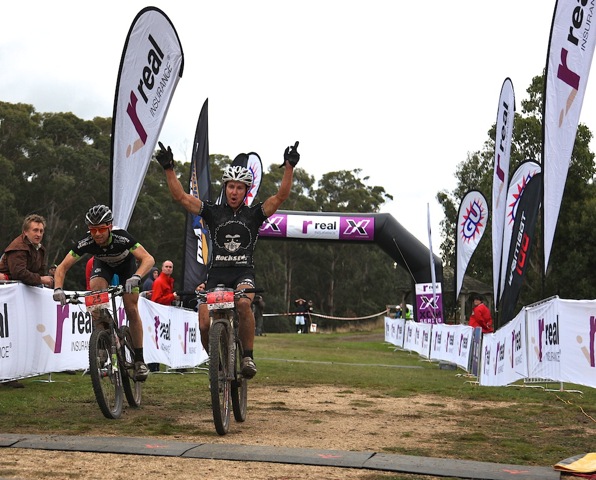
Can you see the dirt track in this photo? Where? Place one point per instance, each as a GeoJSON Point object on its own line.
{"type": "Point", "coordinates": [317, 417]}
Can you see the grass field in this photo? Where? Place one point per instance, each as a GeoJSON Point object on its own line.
{"type": "Point", "coordinates": [518, 425]}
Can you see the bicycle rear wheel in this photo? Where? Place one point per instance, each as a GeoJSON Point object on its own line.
{"type": "Point", "coordinates": [239, 387]}
{"type": "Point", "coordinates": [219, 377]}
{"type": "Point", "coordinates": [132, 388]}
{"type": "Point", "coordinates": [105, 376]}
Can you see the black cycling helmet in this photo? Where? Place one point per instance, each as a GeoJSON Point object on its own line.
{"type": "Point", "coordinates": [98, 214]}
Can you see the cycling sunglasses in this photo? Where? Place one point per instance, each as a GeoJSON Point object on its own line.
{"type": "Point", "coordinates": [96, 230]}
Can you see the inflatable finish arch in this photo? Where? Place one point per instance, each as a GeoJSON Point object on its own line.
{"type": "Point", "coordinates": [380, 228]}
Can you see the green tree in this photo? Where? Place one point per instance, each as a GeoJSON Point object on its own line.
{"type": "Point", "coordinates": [568, 258]}
{"type": "Point", "coordinates": [58, 165]}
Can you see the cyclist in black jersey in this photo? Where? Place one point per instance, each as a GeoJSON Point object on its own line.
{"type": "Point", "coordinates": [234, 229]}
{"type": "Point", "coordinates": [116, 252]}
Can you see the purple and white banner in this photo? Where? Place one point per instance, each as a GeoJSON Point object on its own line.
{"type": "Point", "coordinates": [452, 343]}
{"type": "Point", "coordinates": [150, 67]}
{"type": "Point", "coordinates": [395, 331]}
{"type": "Point", "coordinates": [429, 303]}
{"type": "Point", "coordinates": [562, 341]}
{"type": "Point", "coordinates": [417, 337]}
{"type": "Point", "coordinates": [319, 227]}
{"type": "Point", "coordinates": [471, 224]}
{"type": "Point", "coordinates": [504, 358]}
{"type": "Point", "coordinates": [570, 52]}
{"type": "Point", "coordinates": [39, 336]}
{"type": "Point", "coordinates": [504, 135]}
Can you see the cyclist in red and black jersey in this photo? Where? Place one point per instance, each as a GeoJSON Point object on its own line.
{"type": "Point", "coordinates": [234, 229]}
{"type": "Point", "coordinates": [115, 252]}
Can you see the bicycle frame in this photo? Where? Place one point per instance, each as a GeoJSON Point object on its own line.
{"type": "Point", "coordinates": [227, 385]}
{"type": "Point", "coordinates": [224, 311]}
{"type": "Point", "coordinates": [110, 377]}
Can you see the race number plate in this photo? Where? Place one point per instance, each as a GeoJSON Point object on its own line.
{"type": "Point", "coordinates": [97, 301]}
{"type": "Point", "coordinates": [220, 300]}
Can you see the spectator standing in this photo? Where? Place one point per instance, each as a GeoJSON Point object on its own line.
{"type": "Point", "coordinates": [258, 306]}
{"type": "Point", "coordinates": [301, 310]}
{"type": "Point", "coordinates": [481, 316]}
{"type": "Point", "coordinates": [148, 283]}
{"type": "Point", "coordinates": [163, 286]}
{"type": "Point", "coordinates": [160, 290]}
{"type": "Point", "coordinates": [25, 258]}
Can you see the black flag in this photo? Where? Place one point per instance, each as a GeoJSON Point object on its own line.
{"type": "Point", "coordinates": [196, 240]}
{"type": "Point", "coordinates": [520, 249]}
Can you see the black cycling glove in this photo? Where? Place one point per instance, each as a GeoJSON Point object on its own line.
{"type": "Point", "coordinates": [165, 157]}
{"type": "Point", "coordinates": [291, 155]}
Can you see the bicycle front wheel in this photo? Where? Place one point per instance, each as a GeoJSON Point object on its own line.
{"type": "Point", "coordinates": [239, 387]}
{"type": "Point", "coordinates": [105, 376]}
{"type": "Point", "coordinates": [219, 377]}
{"type": "Point", "coordinates": [132, 388]}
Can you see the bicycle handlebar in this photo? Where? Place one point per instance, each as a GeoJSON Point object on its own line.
{"type": "Point", "coordinates": [202, 293]}
{"type": "Point", "coordinates": [115, 290]}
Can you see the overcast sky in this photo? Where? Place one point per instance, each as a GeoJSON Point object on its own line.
{"type": "Point", "coordinates": [401, 90]}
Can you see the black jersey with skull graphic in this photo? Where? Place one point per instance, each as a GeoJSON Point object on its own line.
{"type": "Point", "coordinates": [233, 234]}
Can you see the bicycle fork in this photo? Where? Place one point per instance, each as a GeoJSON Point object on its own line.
{"type": "Point", "coordinates": [227, 322]}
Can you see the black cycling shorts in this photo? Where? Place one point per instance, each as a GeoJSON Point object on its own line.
{"type": "Point", "coordinates": [124, 271]}
{"type": "Point", "coordinates": [230, 277]}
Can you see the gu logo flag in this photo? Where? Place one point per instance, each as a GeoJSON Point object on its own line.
{"type": "Point", "coordinates": [471, 224]}
{"type": "Point", "coordinates": [520, 178]}
{"type": "Point", "coordinates": [521, 247]}
{"type": "Point", "coordinates": [196, 240]}
{"type": "Point", "coordinates": [570, 52]}
{"type": "Point", "coordinates": [151, 65]}
{"type": "Point", "coordinates": [252, 161]}
{"type": "Point", "coordinates": [504, 135]}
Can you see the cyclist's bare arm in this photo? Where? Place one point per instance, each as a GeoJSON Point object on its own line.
{"type": "Point", "coordinates": [271, 205]}
{"type": "Point", "coordinates": [189, 202]}
{"type": "Point", "coordinates": [145, 260]}
{"type": "Point", "coordinates": [64, 267]}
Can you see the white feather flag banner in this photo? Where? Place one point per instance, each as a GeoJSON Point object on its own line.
{"type": "Point", "coordinates": [151, 65]}
{"type": "Point", "coordinates": [471, 224]}
{"type": "Point", "coordinates": [503, 138]}
{"type": "Point", "coordinates": [570, 52]}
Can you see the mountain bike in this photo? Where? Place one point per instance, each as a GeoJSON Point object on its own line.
{"type": "Point", "coordinates": [111, 352]}
{"type": "Point", "coordinates": [229, 388]}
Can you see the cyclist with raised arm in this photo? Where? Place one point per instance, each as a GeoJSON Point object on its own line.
{"type": "Point", "coordinates": [115, 252]}
{"type": "Point", "coordinates": [234, 229]}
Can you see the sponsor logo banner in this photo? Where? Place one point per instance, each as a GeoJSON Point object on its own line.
{"type": "Point", "coordinates": [319, 227]}
{"type": "Point", "coordinates": [151, 65]}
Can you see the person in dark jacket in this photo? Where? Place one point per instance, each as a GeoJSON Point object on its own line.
{"type": "Point", "coordinates": [25, 258]}
{"type": "Point", "coordinates": [148, 283]}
